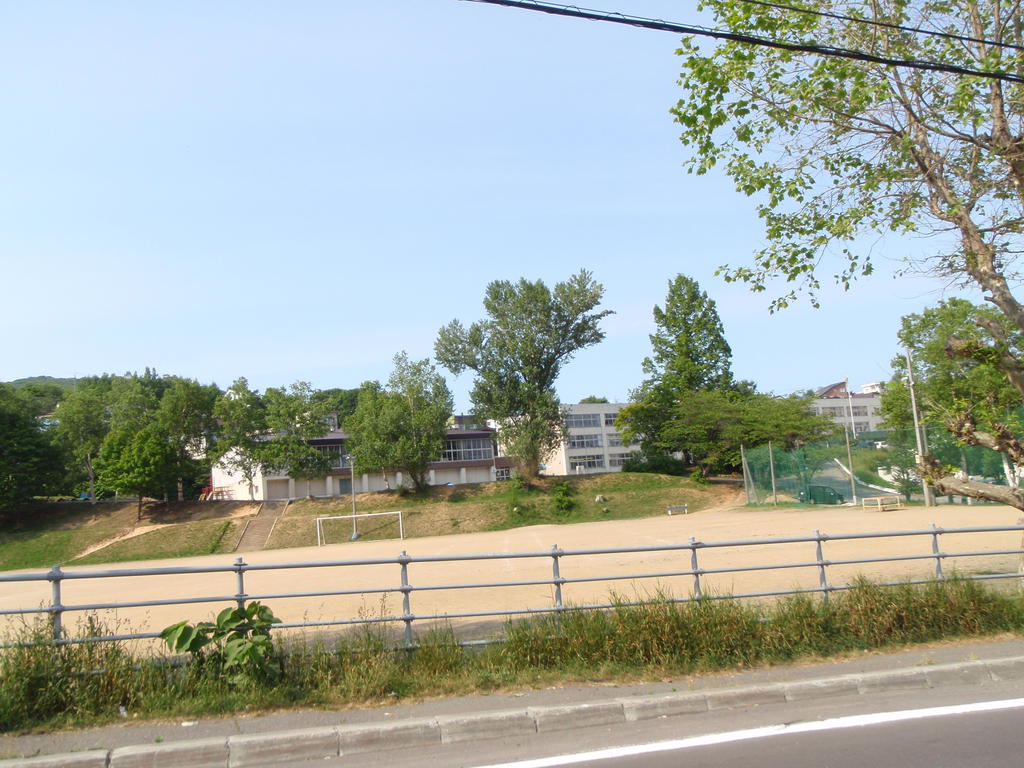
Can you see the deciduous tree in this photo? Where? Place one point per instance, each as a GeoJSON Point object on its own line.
{"type": "Point", "coordinates": [841, 150]}
{"type": "Point", "coordinates": [401, 426]}
{"type": "Point", "coordinates": [82, 424]}
{"type": "Point", "coordinates": [28, 461]}
{"type": "Point", "coordinates": [185, 416]}
{"type": "Point", "coordinates": [517, 353]}
{"type": "Point", "coordinates": [242, 430]}
{"type": "Point", "coordinates": [139, 462]}
{"type": "Point", "coordinates": [710, 425]}
{"type": "Point", "coordinates": [952, 389]}
{"type": "Point", "coordinates": [294, 417]}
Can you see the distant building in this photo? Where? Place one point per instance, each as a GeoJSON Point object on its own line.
{"type": "Point", "coordinates": [863, 409]}
{"type": "Point", "coordinates": [592, 444]}
{"type": "Point", "coordinates": [470, 456]}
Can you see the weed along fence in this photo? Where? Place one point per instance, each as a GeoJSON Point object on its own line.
{"type": "Point", "coordinates": [412, 593]}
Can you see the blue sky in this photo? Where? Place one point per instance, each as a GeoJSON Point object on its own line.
{"type": "Point", "coordinates": [297, 191]}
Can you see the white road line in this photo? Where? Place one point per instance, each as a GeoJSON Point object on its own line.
{"type": "Point", "coordinates": [852, 721]}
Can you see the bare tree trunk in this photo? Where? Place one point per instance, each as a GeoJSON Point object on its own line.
{"type": "Point", "coordinates": [1010, 471]}
{"type": "Point", "coordinates": [92, 479]}
{"type": "Point", "coordinates": [963, 472]}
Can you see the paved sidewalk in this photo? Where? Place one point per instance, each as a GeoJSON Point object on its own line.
{"type": "Point", "coordinates": [259, 740]}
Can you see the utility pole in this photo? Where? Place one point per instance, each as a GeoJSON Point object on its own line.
{"type": "Point", "coordinates": [849, 452]}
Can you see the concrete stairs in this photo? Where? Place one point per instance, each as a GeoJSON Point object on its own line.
{"type": "Point", "coordinates": [257, 529]}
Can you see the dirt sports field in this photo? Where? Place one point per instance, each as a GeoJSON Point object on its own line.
{"type": "Point", "coordinates": [724, 523]}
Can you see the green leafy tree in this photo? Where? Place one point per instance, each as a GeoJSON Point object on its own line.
{"type": "Point", "coordinates": [517, 354]}
{"type": "Point", "coordinates": [402, 426]}
{"type": "Point", "coordinates": [138, 462]}
{"type": "Point", "coordinates": [710, 425]}
{"type": "Point", "coordinates": [340, 402]}
{"type": "Point", "coordinates": [185, 416]}
{"type": "Point", "coordinates": [82, 425]}
{"type": "Point", "coordinates": [955, 394]}
{"type": "Point", "coordinates": [902, 461]}
{"type": "Point", "coordinates": [42, 397]}
{"type": "Point", "coordinates": [242, 431]}
{"type": "Point", "coordinates": [689, 353]}
{"type": "Point", "coordinates": [294, 417]}
{"type": "Point", "coordinates": [136, 457]}
{"type": "Point", "coordinates": [370, 429]}
{"type": "Point", "coordinates": [838, 151]}
{"type": "Point", "coordinates": [688, 349]}
{"type": "Point", "coordinates": [29, 462]}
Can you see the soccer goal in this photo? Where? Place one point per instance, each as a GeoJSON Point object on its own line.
{"type": "Point", "coordinates": [375, 525]}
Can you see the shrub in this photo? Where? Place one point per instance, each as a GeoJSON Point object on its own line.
{"type": "Point", "coordinates": [563, 497]}
{"type": "Point", "coordinates": [657, 463]}
{"type": "Point", "coordinates": [236, 646]}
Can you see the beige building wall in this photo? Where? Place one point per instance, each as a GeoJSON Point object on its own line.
{"type": "Point", "coordinates": [233, 486]}
{"type": "Point", "coordinates": [862, 409]}
{"type": "Point", "coordinates": [592, 443]}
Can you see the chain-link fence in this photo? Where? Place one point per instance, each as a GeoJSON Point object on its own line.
{"type": "Point", "coordinates": [834, 473]}
{"type": "Point", "coordinates": [813, 474]}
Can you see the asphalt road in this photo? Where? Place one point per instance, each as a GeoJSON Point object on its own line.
{"type": "Point", "coordinates": [975, 740]}
{"type": "Point", "coordinates": [979, 740]}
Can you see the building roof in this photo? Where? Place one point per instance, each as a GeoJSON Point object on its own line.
{"type": "Point", "coordinates": [838, 389]}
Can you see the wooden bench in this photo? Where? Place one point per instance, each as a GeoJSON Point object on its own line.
{"type": "Point", "coordinates": [881, 503]}
{"type": "Point", "coordinates": [681, 508]}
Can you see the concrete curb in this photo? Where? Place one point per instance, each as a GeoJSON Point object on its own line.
{"type": "Point", "coordinates": [249, 751]}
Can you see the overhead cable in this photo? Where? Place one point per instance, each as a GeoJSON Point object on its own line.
{"type": "Point", "coordinates": [886, 25]}
{"type": "Point", "coordinates": [739, 37]}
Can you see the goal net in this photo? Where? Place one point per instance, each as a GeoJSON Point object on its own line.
{"type": "Point", "coordinates": [369, 525]}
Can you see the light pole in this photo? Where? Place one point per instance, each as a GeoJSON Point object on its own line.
{"type": "Point", "coordinates": [849, 453]}
{"type": "Point", "coordinates": [352, 469]}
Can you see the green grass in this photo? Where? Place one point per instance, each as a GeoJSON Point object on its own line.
{"type": "Point", "coordinates": [76, 685]}
{"type": "Point", "coordinates": [202, 537]}
{"type": "Point", "coordinates": [51, 533]}
{"type": "Point", "coordinates": [54, 534]}
{"type": "Point", "coordinates": [499, 506]}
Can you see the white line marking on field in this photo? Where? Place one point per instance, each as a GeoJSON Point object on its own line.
{"type": "Point", "coordinates": [851, 721]}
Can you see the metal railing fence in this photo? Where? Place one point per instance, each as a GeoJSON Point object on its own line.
{"type": "Point", "coordinates": [694, 574]}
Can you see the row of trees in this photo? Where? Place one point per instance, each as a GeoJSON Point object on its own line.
{"type": "Point", "coordinates": [690, 403]}
{"type": "Point", "coordinates": [157, 435]}
{"type": "Point", "coordinates": [150, 435]}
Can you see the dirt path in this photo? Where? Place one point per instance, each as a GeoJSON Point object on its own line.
{"type": "Point", "coordinates": [134, 529]}
{"type": "Point", "coordinates": [726, 523]}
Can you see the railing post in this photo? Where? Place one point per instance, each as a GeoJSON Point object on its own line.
{"type": "Point", "coordinates": [936, 553]}
{"type": "Point", "coordinates": [240, 583]}
{"type": "Point", "coordinates": [403, 560]}
{"type": "Point", "coordinates": [822, 576]}
{"type": "Point", "coordinates": [556, 577]}
{"type": "Point", "coordinates": [56, 608]}
{"type": "Point", "coordinates": [697, 593]}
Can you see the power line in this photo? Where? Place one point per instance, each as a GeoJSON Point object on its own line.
{"type": "Point", "coordinates": [738, 37]}
{"type": "Point", "coordinates": [885, 25]}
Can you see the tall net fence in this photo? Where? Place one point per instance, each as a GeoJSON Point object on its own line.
{"type": "Point", "coordinates": [817, 474]}
{"type": "Point", "coordinates": [820, 473]}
